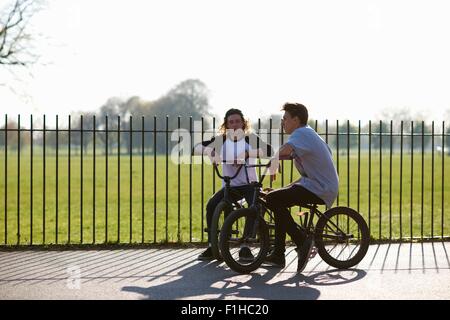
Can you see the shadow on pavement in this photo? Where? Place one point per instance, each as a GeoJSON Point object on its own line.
{"type": "Point", "coordinates": [214, 281]}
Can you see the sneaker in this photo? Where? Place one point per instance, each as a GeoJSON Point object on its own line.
{"type": "Point", "coordinates": [276, 260]}
{"type": "Point", "coordinates": [206, 255]}
{"type": "Point", "coordinates": [245, 254]}
{"type": "Point", "coordinates": [304, 253]}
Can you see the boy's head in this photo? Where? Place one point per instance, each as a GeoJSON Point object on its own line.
{"type": "Point", "coordinates": [295, 116]}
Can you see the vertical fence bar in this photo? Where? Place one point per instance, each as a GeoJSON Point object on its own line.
{"type": "Point", "coordinates": [18, 180]}
{"type": "Point", "coordinates": [390, 182]}
{"type": "Point", "coordinates": [348, 163]}
{"type": "Point", "coordinates": [81, 178]}
{"type": "Point", "coordinates": [190, 178]}
{"type": "Point", "coordinates": [154, 179]}
{"type": "Point", "coordinates": [370, 175]}
{"type": "Point", "coordinates": [106, 178]}
{"type": "Point", "coordinates": [412, 181]}
{"type": "Point", "coordinates": [31, 179]}
{"type": "Point", "coordinates": [337, 157]}
{"type": "Point", "coordinates": [94, 125]}
{"type": "Point", "coordinates": [131, 179]}
{"type": "Point", "coordinates": [167, 178]}
{"type": "Point", "coordinates": [292, 162]}
{"type": "Point", "coordinates": [57, 180]}
{"type": "Point", "coordinates": [142, 177]}
{"type": "Point", "coordinates": [282, 164]}
{"type": "Point", "coordinates": [212, 167]}
{"type": "Point", "coordinates": [202, 190]}
{"type": "Point", "coordinates": [68, 185]}
{"type": "Point", "coordinates": [179, 181]}
{"type": "Point", "coordinates": [259, 133]}
{"type": "Point", "coordinates": [442, 182]}
{"type": "Point", "coordinates": [432, 179]}
{"type": "Point", "coordinates": [401, 180]}
{"type": "Point", "coordinates": [118, 178]}
{"type": "Point", "coordinates": [6, 179]}
{"type": "Point", "coordinates": [43, 181]}
{"type": "Point", "coordinates": [423, 178]}
{"type": "Point", "coordinates": [270, 141]}
{"type": "Point", "coordinates": [381, 181]}
{"type": "Point", "coordinates": [359, 164]}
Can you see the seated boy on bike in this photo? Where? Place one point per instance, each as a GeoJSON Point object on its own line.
{"type": "Point", "coordinates": [234, 144]}
{"type": "Point", "coordinates": [318, 184]}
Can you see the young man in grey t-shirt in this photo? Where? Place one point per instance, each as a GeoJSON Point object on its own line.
{"type": "Point", "coordinates": [318, 184]}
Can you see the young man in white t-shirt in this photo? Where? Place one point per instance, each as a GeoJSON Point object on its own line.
{"type": "Point", "coordinates": [235, 144]}
{"type": "Point", "coordinates": [319, 182]}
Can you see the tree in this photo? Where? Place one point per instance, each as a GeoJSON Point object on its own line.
{"type": "Point", "coordinates": [87, 119]}
{"type": "Point", "coordinates": [189, 98]}
{"type": "Point", "coordinates": [15, 41]}
{"type": "Point", "coordinates": [13, 136]}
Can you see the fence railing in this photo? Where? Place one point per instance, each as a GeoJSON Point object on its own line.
{"type": "Point", "coordinates": [134, 180]}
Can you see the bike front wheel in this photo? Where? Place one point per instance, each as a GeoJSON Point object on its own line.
{"type": "Point", "coordinates": [342, 237]}
{"type": "Point", "coordinates": [220, 213]}
{"type": "Point", "coordinates": [243, 228]}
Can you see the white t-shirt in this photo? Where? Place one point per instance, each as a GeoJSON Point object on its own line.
{"type": "Point", "coordinates": [313, 159]}
{"type": "Point", "coordinates": [229, 152]}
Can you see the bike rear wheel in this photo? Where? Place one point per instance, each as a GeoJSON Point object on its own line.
{"type": "Point", "coordinates": [237, 231]}
{"type": "Point", "coordinates": [342, 237]}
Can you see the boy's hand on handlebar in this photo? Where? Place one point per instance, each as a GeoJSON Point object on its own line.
{"type": "Point", "coordinates": [273, 177]}
{"type": "Point", "coordinates": [273, 169]}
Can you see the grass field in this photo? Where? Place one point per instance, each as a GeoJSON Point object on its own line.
{"type": "Point", "coordinates": [389, 213]}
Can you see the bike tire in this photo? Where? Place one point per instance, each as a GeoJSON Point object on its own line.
{"type": "Point", "coordinates": [227, 233]}
{"type": "Point", "coordinates": [324, 228]}
{"type": "Point", "coordinates": [219, 215]}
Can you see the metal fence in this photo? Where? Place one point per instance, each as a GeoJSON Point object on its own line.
{"type": "Point", "coordinates": [128, 180]}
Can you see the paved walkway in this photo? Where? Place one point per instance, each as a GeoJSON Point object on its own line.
{"type": "Point", "coordinates": [389, 271]}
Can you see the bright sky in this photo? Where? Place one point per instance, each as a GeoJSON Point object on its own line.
{"type": "Point", "coordinates": [345, 59]}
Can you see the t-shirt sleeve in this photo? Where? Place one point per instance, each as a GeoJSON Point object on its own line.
{"type": "Point", "coordinates": [299, 143]}
{"type": "Point", "coordinates": [215, 143]}
{"type": "Point", "coordinates": [206, 143]}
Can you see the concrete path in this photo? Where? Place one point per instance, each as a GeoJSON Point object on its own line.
{"type": "Point", "coordinates": [389, 271]}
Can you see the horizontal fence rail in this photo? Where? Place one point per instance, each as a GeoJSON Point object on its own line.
{"type": "Point", "coordinates": [93, 180]}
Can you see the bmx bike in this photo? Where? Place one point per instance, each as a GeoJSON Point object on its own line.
{"type": "Point", "coordinates": [340, 234]}
{"type": "Point", "coordinates": [228, 204]}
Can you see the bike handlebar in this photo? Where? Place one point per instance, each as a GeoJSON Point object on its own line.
{"type": "Point", "coordinates": [224, 177]}
{"type": "Point", "coordinates": [267, 165]}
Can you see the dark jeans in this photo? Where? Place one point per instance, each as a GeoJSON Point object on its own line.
{"type": "Point", "coordinates": [279, 201]}
{"type": "Point", "coordinates": [246, 191]}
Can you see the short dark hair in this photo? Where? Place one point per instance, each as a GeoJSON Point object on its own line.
{"type": "Point", "coordinates": [297, 110]}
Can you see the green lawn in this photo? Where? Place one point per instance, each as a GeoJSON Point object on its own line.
{"type": "Point", "coordinates": [176, 218]}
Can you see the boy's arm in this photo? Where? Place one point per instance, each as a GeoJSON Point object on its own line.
{"type": "Point", "coordinates": [284, 152]}
{"type": "Point", "coordinates": [208, 148]}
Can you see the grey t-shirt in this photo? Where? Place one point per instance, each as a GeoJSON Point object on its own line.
{"type": "Point", "coordinates": [313, 159]}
